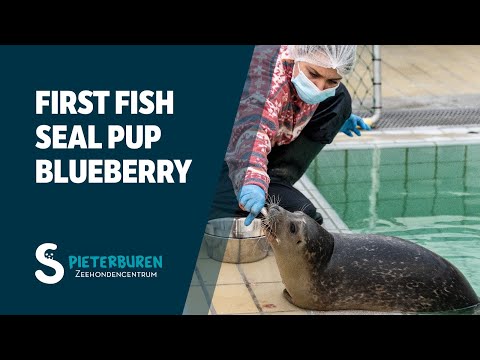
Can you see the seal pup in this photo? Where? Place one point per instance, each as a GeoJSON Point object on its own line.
{"type": "Point", "coordinates": [328, 271]}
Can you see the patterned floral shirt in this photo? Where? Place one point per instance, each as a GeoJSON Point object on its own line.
{"type": "Point", "coordinates": [270, 113]}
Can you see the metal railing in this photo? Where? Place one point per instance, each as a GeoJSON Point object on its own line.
{"type": "Point", "coordinates": [365, 83]}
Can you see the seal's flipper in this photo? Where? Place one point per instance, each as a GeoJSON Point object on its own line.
{"type": "Point", "coordinates": [287, 296]}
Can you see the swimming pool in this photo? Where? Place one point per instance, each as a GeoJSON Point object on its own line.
{"type": "Point", "coordinates": [429, 195]}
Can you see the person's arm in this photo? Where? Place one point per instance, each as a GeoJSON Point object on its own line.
{"type": "Point", "coordinates": [249, 146]}
{"type": "Point", "coordinates": [254, 129]}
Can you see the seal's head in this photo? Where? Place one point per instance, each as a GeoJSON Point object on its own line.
{"type": "Point", "coordinates": [295, 232]}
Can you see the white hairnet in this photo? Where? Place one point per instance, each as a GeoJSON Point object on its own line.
{"type": "Point", "coordinates": [339, 57]}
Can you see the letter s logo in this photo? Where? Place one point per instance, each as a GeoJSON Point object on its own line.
{"type": "Point", "coordinates": [46, 259]}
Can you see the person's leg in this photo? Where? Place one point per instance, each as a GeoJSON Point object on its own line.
{"type": "Point", "coordinates": [287, 163]}
{"type": "Point", "coordinates": [291, 199]}
{"type": "Point", "coordinates": [329, 117]}
{"type": "Point", "coordinates": [225, 203]}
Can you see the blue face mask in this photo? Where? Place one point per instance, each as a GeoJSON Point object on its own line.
{"type": "Point", "coordinates": [307, 90]}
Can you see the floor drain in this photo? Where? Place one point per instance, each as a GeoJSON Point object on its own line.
{"type": "Point", "coordinates": [432, 117]}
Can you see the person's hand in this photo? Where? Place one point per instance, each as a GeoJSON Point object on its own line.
{"type": "Point", "coordinates": [351, 125]}
{"type": "Point", "coordinates": [251, 198]}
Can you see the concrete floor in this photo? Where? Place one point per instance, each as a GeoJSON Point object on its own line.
{"type": "Point", "coordinates": [430, 70]}
{"type": "Point", "coordinates": [430, 76]}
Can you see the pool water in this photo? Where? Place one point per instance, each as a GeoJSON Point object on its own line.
{"type": "Point", "coordinates": [429, 195]}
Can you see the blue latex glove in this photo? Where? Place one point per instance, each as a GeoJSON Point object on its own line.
{"type": "Point", "coordinates": [251, 198]}
{"type": "Point", "coordinates": [351, 125]}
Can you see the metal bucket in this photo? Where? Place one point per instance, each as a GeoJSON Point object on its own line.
{"type": "Point", "coordinates": [229, 240]}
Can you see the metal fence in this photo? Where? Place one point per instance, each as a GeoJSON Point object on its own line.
{"type": "Point", "coordinates": [364, 84]}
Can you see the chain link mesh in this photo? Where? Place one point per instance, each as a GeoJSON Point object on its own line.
{"type": "Point", "coordinates": [360, 82]}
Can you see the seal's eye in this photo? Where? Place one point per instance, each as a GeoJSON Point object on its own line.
{"type": "Point", "coordinates": [293, 228]}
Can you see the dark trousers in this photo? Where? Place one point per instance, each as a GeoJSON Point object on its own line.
{"type": "Point", "coordinates": [287, 163]}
